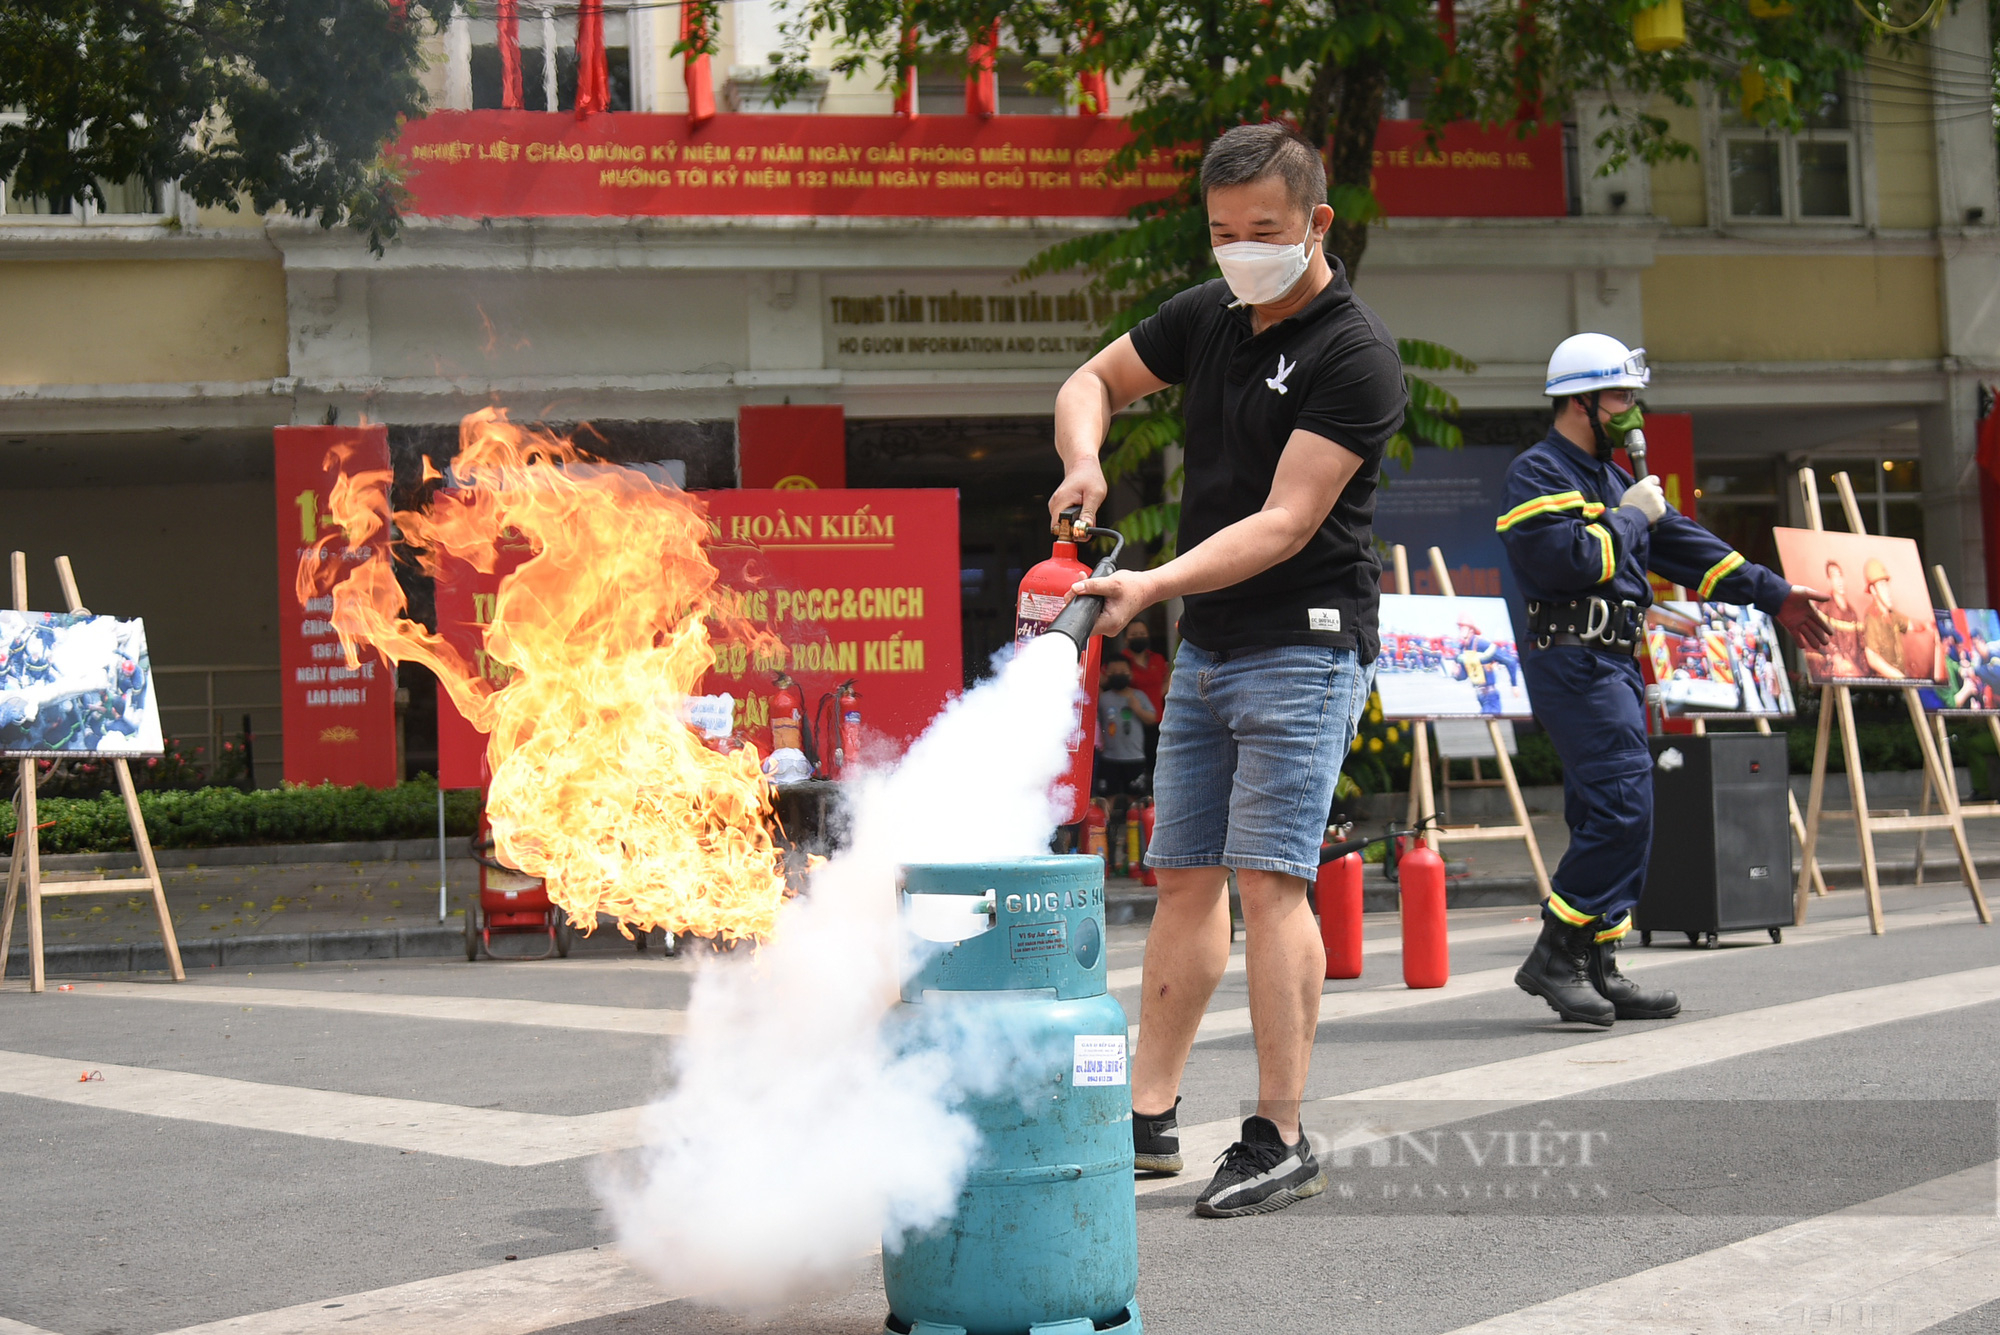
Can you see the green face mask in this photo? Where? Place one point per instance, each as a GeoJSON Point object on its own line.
{"type": "Point", "coordinates": [1624, 424]}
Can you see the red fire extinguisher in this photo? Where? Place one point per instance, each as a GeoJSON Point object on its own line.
{"type": "Point", "coordinates": [838, 723]}
{"type": "Point", "coordinates": [1337, 890]}
{"type": "Point", "coordinates": [1095, 821]}
{"type": "Point", "coordinates": [1044, 592]}
{"type": "Point", "coordinates": [1426, 951]}
{"type": "Point", "coordinates": [1146, 818]}
{"type": "Point", "coordinates": [787, 714]}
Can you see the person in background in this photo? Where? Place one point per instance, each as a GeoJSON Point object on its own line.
{"type": "Point", "coordinates": [1123, 711]}
{"type": "Point", "coordinates": [1149, 677]}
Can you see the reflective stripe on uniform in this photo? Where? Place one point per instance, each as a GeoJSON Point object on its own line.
{"type": "Point", "coordinates": [1718, 572]}
{"type": "Point", "coordinates": [1562, 500]}
{"type": "Point", "coordinates": [1614, 933]}
{"type": "Point", "coordinates": [1609, 555]}
{"type": "Point", "coordinates": [1565, 912]}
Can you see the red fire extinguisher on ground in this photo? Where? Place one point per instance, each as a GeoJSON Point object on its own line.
{"type": "Point", "coordinates": [787, 714]}
{"type": "Point", "coordinates": [838, 724]}
{"type": "Point", "coordinates": [1095, 821]}
{"type": "Point", "coordinates": [1337, 891]}
{"type": "Point", "coordinates": [1044, 594]}
{"type": "Point", "coordinates": [1426, 950]}
{"type": "Point", "coordinates": [1146, 818]}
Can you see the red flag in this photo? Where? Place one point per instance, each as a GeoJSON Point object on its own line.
{"type": "Point", "coordinates": [906, 77]}
{"type": "Point", "coordinates": [700, 84]}
{"type": "Point", "coordinates": [982, 85]}
{"type": "Point", "coordinates": [509, 18]}
{"type": "Point", "coordinates": [593, 79]}
{"type": "Point", "coordinates": [1095, 89]}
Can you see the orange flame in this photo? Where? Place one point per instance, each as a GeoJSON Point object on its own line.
{"type": "Point", "coordinates": [599, 786]}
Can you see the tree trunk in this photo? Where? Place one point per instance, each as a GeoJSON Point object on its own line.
{"type": "Point", "coordinates": [1363, 88]}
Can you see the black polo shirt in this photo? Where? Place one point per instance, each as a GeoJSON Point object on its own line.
{"type": "Point", "coordinates": [1333, 370]}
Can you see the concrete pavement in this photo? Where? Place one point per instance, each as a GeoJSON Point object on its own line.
{"type": "Point", "coordinates": [360, 1146]}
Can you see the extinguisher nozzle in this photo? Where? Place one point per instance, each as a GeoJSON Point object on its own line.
{"type": "Point", "coordinates": [1075, 621]}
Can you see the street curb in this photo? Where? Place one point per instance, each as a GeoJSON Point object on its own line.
{"type": "Point", "coordinates": [1462, 892]}
{"type": "Point", "coordinates": [382, 943]}
{"type": "Point", "coordinates": [253, 855]}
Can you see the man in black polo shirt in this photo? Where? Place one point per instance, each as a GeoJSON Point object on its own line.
{"type": "Point", "coordinates": [1293, 389]}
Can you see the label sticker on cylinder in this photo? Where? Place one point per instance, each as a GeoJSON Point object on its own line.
{"type": "Point", "coordinates": [1100, 1060]}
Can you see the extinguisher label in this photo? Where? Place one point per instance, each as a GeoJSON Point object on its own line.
{"type": "Point", "coordinates": [1041, 606]}
{"type": "Point", "coordinates": [1100, 1060]}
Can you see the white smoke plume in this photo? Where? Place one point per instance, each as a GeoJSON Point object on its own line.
{"type": "Point", "coordinates": [795, 1132]}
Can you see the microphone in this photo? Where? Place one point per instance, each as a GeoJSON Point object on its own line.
{"type": "Point", "coordinates": [1635, 446]}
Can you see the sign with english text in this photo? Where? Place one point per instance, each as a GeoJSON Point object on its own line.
{"type": "Point", "coordinates": [340, 721]}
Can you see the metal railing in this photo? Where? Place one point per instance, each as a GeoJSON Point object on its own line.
{"type": "Point", "coordinates": [209, 717]}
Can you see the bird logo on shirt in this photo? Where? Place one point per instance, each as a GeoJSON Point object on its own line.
{"type": "Point", "coordinates": [1285, 368]}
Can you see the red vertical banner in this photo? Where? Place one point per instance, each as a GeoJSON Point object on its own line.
{"type": "Point", "coordinates": [465, 603]}
{"type": "Point", "coordinates": [793, 447]}
{"type": "Point", "coordinates": [1989, 489]}
{"type": "Point", "coordinates": [695, 67]}
{"type": "Point", "coordinates": [1669, 457]}
{"type": "Point", "coordinates": [340, 722]}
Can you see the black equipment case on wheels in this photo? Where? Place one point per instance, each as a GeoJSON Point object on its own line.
{"type": "Point", "coordinates": [1722, 838]}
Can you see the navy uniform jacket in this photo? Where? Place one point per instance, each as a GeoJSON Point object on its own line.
{"type": "Point", "coordinates": [1567, 538]}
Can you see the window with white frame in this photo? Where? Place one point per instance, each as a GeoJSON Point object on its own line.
{"type": "Point", "coordinates": [133, 200]}
{"type": "Point", "coordinates": [546, 84]}
{"type": "Point", "coordinates": [1779, 177]}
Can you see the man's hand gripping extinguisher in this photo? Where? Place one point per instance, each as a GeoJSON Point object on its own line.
{"type": "Point", "coordinates": [1045, 605]}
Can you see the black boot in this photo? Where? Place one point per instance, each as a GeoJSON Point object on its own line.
{"type": "Point", "coordinates": [1627, 998]}
{"type": "Point", "coordinates": [1558, 971]}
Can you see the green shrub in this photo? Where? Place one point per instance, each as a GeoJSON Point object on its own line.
{"type": "Point", "coordinates": [221, 817]}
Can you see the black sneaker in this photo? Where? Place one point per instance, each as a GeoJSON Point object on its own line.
{"type": "Point", "coordinates": [1156, 1141]}
{"type": "Point", "coordinates": [1261, 1174]}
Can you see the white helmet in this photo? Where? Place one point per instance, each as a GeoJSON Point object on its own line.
{"type": "Point", "coordinates": [1582, 363]}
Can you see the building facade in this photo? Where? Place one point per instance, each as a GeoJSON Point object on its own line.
{"type": "Point", "coordinates": [1830, 298]}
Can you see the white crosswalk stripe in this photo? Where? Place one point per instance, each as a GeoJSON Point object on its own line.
{"type": "Point", "coordinates": [653, 1023]}
{"type": "Point", "coordinates": [1892, 1266]}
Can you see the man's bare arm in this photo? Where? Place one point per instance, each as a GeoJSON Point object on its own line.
{"type": "Point", "coordinates": [1097, 391]}
{"type": "Point", "coordinates": [1311, 474]}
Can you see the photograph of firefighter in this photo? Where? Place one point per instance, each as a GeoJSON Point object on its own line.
{"type": "Point", "coordinates": [1581, 535]}
{"type": "Point", "coordinates": [1293, 388]}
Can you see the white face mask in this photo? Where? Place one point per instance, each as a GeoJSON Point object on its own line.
{"type": "Point", "coordinates": [1259, 272]}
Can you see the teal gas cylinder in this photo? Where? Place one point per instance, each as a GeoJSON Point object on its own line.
{"type": "Point", "coordinates": [1045, 1238]}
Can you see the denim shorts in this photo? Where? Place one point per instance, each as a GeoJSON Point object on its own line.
{"type": "Point", "coordinates": [1250, 749]}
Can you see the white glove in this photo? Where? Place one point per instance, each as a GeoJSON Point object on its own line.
{"type": "Point", "coordinates": [1646, 497]}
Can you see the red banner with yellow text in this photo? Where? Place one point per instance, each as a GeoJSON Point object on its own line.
{"type": "Point", "coordinates": [340, 722]}
{"type": "Point", "coordinates": [859, 585]}
{"type": "Point", "coordinates": [465, 603]}
{"type": "Point", "coordinates": [1473, 172]}
{"type": "Point", "coordinates": [526, 164]}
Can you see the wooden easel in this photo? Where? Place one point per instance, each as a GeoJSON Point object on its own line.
{"type": "Point", "coordinates": [1866, 824]}
{"type": "Point", "coordinates": [1423, 805]}
{"type": "Point", "coordinates": [1966, 810]}
{"type": "Point", "coordinates": [26, 866]}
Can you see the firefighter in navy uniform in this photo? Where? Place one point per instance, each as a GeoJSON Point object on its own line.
{"type": "Point", "coordinates": [1581, 535]}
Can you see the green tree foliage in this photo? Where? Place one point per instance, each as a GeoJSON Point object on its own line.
{"type": "Point", "coordinates": [281, 104]}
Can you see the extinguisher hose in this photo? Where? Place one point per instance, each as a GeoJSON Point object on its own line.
{"type": "Point", "coordinates": [1076, 620]}
{"type": "Point", "coordinates": [1335, 852]}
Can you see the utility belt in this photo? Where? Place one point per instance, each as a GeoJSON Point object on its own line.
{"type": "Point", "coordinates": [1589, 623]}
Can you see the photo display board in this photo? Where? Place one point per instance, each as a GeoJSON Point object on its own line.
{"type": "Point", "coordinates": [1884, 628]}
{"type": "Point", "coordinates": [1971, 638]}
{"type": "Point", "coordinates": [73, 684]}
{"type": "Point", "coordinates": [1449, 658]}
{"type": "Point", "coordinates": [1716, 658]}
